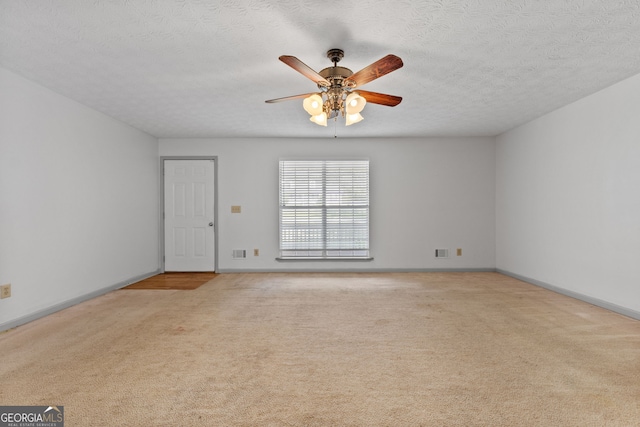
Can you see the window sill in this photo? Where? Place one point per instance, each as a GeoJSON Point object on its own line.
{"type": "Point", "coordinates": [342, 258]}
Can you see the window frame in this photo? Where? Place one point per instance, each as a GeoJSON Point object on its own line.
{"type": "Point", "coordinates": [354, 210]}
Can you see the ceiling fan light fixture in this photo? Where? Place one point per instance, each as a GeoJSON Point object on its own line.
{"type": "Point", "coordinates": [354, 103]}
{"type": "Point", "coordinates": [337, 96]}
{"type": "Point", "coordinates": [313, 104]}
{"type": "Point", "coordinates": [319, 119]}
{"type": "Point", "coordinates": [353, 118]}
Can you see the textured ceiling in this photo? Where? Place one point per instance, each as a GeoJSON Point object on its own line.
{"type": "Point", "coordinates": [204, 68]}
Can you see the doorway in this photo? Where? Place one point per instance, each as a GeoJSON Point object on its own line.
{"type": "Point", "coordinates": [189, 214]}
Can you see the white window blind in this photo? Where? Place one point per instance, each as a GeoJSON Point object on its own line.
{"type": "Point", "coordinates": [324, 208]}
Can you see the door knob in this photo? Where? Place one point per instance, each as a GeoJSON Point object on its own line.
{"type": "Point", "coordinates": [210, 224]}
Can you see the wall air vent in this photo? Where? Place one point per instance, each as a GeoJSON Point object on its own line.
{"type": "Point", "coordinates": [442, 253]}
{"type": "Point", "coordinates": [239, 253]}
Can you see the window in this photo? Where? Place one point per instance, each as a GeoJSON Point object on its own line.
{"type": "Point", "coordinates": [324, 209]}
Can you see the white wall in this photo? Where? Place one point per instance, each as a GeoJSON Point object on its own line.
{"type": "Point", "coordinates": [78, 200]}
{"type": "Point", "coordinates": [568, 205]}
{"type": "Point", "coordinates": [425, 194]}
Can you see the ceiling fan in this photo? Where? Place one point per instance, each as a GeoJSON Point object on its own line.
{"type": "Point", "coordinates": [340, 92]}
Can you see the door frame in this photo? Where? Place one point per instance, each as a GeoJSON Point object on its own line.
{"type": "Point", "coordinates": [215, 205]}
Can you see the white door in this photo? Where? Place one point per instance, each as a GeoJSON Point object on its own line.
{"type": "Point", "coordinates": [189, 232]}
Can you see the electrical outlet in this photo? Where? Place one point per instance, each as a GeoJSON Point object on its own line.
{"type": "Point", "coordinates": [459, 252]}
{"type": "Point", "coordinates": [5, 291]}
{"type": "Point", "coordinates": [256, 252]}
{"type": "Point", "coordinates": [236, 209]}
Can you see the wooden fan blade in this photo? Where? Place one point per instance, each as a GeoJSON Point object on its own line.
{"type": "Point", "coordinates": [304, 69]}
{"type": "Point", "coordinates": [289, 98]}
{"type": "Point", "coordinates": [380, 98]}
{"type": "Point", "coordinates": [378, 69]}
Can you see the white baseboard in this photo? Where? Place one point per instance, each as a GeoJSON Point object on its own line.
{"type": "Point", "coordinates": [71, 302]}
{"type": "Point", "coordinates": [358, 270]}
{"type": "Point", "coordinates": [595, 301]}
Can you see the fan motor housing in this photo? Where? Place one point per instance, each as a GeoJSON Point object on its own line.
{"type": "Point", "coordinates": [335, 72]}
{"type": "Point", "coordinates": [336, 75]}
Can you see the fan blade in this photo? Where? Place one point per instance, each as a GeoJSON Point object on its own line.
{"type": "Point", "coordinates": [289, 98]}
{"type": "Point", "coordinates": [380, 98]}
{"type": "Point", "coordinates": [304, 69]}
{"type": "Point", "coordinates": [378, 69]}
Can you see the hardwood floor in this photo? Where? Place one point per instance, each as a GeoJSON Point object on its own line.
{"type": "Point", "coordinates": [176, 281]}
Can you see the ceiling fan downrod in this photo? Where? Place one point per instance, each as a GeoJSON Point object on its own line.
{"type": "Point", "coordinates": [335, 55]}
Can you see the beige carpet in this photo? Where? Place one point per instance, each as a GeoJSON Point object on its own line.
{"type": "Point", "coordinates": [406, 349]}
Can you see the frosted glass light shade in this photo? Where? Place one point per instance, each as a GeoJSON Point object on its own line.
{"type": "Point", "coordinates": [353, 118]}
{"type": "Point", "coordinates": [313, 104]}
{"type": "Point", "coordinates": [354, 103]}
{"type": "Point", "coordinates": [319, 119]}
